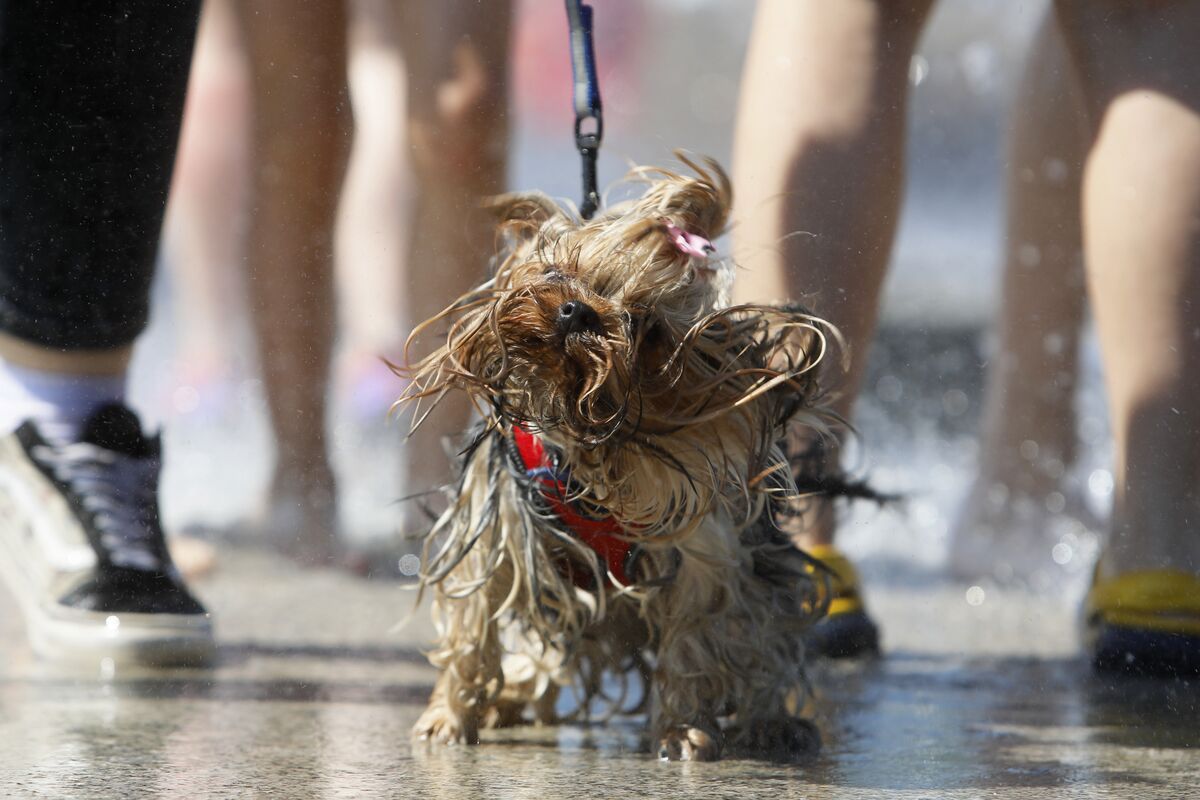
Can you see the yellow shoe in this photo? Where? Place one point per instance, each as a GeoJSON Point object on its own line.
{"type": "Point", "coordinates": [846, 631]}
{"type": "Point", "coordinates": [1145, 622]}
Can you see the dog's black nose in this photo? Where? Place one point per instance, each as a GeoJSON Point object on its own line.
{"type": "Point", "coordinates": [576, 316]}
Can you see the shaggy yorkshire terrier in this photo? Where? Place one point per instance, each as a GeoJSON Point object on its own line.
{"type": "Point", "coordinates": [615, 512]}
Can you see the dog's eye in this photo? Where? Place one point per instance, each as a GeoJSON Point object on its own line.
{"type": "Point", "coordinates": [553, 273]}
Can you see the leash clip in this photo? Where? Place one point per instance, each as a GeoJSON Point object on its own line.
{"type": "Point", "coordinates": [588, 145]}
{"type": "Point", "coordinates": [589, 117]}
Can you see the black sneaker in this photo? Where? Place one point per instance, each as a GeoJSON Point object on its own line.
{"type": "Point", "coordinates": [847, 631]}
{"type": "Point", "coordinates": [82, 548]}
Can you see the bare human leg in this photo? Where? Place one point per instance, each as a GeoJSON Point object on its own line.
{"type": "Point", "coordinates": [1010, 521]}
{"type": "Point", "coordinates": [818, 167]}
{"type": "Point", "coordinates": [457, 53]}
{"type": "Point", "coordinates": [108, 361]}
{"type": "Point", "coordinates": [1141, 202]}
{"type": "Point", "coordinates": [301, 138]}
{"type": "Point", "coordinates": [205, 227]}
{"type": "Point", "coordinates": [372, 230]}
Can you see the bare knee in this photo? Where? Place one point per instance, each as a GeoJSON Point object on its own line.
{"type": "Point", "coordinates": [458, 121]}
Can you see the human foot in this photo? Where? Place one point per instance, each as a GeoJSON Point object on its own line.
{"type": "Point", "coordinates": [1022, 535]}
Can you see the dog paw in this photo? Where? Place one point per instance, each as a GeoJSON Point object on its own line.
{"type": "Point", "coordinates": [440, 726]}
{"type": "Point", "coordinates": [689, 744]}
{"type": "Point", "coordinates": [776, 739]}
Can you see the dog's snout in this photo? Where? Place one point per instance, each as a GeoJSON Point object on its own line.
{"type": "Point", "coordinates": [576, 316]}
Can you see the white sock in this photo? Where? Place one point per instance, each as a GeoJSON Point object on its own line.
{"type": "Point", "coordinates": [59, 402]}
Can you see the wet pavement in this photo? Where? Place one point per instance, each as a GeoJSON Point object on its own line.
{"type": "Point", "coordinates": [315, 691]}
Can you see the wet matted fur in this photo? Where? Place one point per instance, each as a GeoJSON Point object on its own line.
{"type": "Point", "coordinates": [665, 408]}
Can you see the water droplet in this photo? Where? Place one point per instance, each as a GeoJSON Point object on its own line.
{"type": "Point", "coordinates": [185, 399]}
{"type": "Point", "coordinates": [1062, 553]}
{"type": "Point", "coordinates": [981, 67]}
{"type": "Point", "coordinates": [1100, 482]}
{"type": "Point", "coordinates": [1054, 343]}
{"type": "Point", "coordinates": [1093, 428]}
{"type": "Point", "coordinates": [976, 596]}
{"type": "Point", "coordinates": [918, 69]}
{"type": "Point", "coordinates": [409, 564]}
{"type": "Point", "coordinates": [955, 402]}
{"type": "Point", "coordinates": [890, 389]}
{"type": "Point", "coordinates": [1029, 255]}
{"type": "Point", "coordinates": [1055, 502]}
{"type": "Point", "coordinates": [1054, 468]}
{"type": "Point", "coordinates": [1028, 449]}
{"type": "Point", "coordinates": [925, 514]}
{"type": "Point", "coordinates": [1055, 170]}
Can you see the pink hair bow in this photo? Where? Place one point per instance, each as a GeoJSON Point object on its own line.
{"type": "Point", "coordinates": [691, 244]}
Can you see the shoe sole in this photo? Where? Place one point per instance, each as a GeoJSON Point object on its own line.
{"type": "Point", "coordinates": [153, 640]}
{"type": "Point", "coordinates": [62, 633]}
{"type": "Point", "coordinates": [1134, 651]}
{"type": "Point", "coordinates": [848, 635]}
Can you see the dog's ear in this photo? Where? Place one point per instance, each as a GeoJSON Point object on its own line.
{"type": "Point", "coordinates": [521, 214]}
{"type": "Point", "coordinates": [700, 203]}
{"type": "Point", "coordinates": [687, 210]}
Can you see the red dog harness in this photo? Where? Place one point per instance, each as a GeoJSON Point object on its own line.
{"type": "Point", "coordinates": [603, 535]}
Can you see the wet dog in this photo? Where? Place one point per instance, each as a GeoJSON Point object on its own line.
{"type": "Point", "coordinates": [615, 514]}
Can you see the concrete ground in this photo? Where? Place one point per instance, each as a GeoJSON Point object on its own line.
{"type": "Point", "coordinates": [315, 691]}
{"type": "Point", "coordinates": [980, 694]}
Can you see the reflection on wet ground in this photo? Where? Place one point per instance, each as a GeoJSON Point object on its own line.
{"type": "Point", "coordinates": [918, 723]}
{"type": "Point", "coordinates": [297, 710]}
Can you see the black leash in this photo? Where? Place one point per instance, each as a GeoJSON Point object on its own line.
{"type": "Point", "coordinates": [589, 121]}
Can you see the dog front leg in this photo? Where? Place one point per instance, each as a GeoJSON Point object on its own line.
{"type": "Point", "coordinates": [470, 675]}
{"type": "Point", "coordinates": [444, 720]}
{"type": "Point", "coordinates": [690, 689]}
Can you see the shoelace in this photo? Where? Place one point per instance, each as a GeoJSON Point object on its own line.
{"type": "Point", "coordinates": [119, 491]}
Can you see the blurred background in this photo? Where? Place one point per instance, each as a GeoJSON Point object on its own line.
{"type": "Point", "coordinates": [196, 371]}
